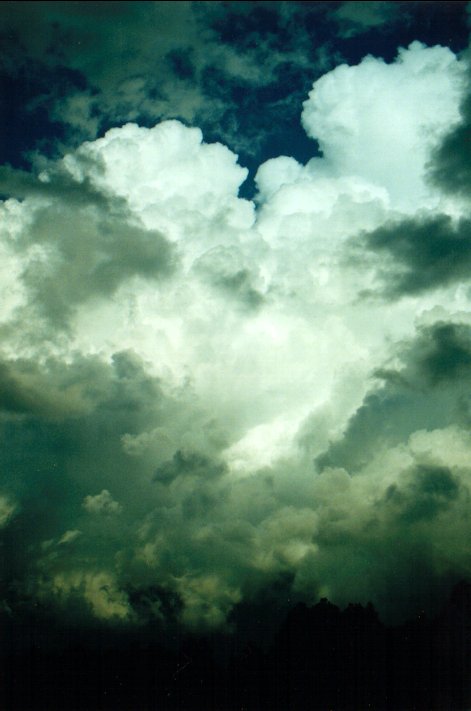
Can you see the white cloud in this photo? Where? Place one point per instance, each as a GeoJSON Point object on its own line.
{"type": "Point", "coordinates": [379, 121]}
{"type": "Point", "coordinates": [102, 503]}
{"type": "Point", "coordinates": [171, 179]}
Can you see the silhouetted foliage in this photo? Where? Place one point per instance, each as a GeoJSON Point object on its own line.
{"type": "Point", "coordinates": [320, 658]}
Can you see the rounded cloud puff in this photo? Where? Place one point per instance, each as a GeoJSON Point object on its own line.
{"type": "Point", "coordinates": [164, 172]}
{"type": "Point", "coordinates": [379, 121]}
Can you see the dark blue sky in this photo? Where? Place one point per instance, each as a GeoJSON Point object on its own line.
{"type": "Point", "coordinates": [239, 70]}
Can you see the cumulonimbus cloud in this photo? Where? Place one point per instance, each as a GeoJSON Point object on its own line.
{"type": "Point", "coordinates": [203, 395]}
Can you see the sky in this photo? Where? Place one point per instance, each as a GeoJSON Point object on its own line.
{"type": "Point", "coordinates": [235, 335]}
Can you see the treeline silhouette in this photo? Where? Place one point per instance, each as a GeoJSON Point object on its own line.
{"type": "Point", "coordinates": [321, 658]}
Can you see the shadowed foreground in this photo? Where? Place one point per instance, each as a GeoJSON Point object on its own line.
{"type": "Point", "coordinates": [321, 658]}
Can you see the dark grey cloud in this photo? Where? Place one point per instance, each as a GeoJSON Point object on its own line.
{"type": "Point", "coordinates": [77, 243]}
{"type": "Point", "coordinates": [89, 253]}
{"type": "Point", "coordinates": [64, 423]}
{"type": "Point", "coordinates": [427, 490]}
{"type": "Point", "coordinates": [99, 529]}
{"type": "Point", "coordinates": [444, 353]}
{"type": "Point", "coordinates": [394, 486]}
{"type": "Point", "coordinates": [187, 464]}
{"type": "Point", "coordinates": [118, 517]}
{"type": "Point", "coordinates": [420, 254]}
{"type": "Point", "coordinates": [232, 275]}
{"type": "Point", "coordinates": [82, 497]}
{"type": "Point", "coordinates": [425, 392]}
{"type": "Point", "coordinates": [450, 166]}
{"type": "Point", "coordinates": [58, 185]}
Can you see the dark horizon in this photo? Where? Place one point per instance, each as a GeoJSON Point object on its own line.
{"type": "Point", "coordinates": [316, 657]}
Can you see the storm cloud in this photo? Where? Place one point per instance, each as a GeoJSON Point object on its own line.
{"type": "Point", "coordinates": [209, 400]}
{"type": "Point", "coordinates": [422, 253]}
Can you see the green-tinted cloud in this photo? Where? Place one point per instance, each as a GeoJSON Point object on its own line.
{"type": "Point", "coordinates": [359, 17]}
{"type": "Point", "coordinates": [430, 490]}
{"type": "Point", "coordinates": [422, 253]}
{"type": "Point", "coordinates": [425, 393]}
{"type": "Point", "coordinates": [233, 275]}
{"type": "Point", "coordinates": [83, 253]}
{"type": "Point", "coordinates": [450, 167]}
{"type": "Point", "coordinates": [187, 407]}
